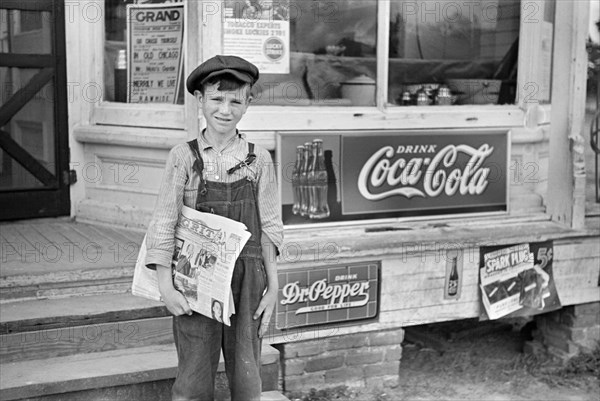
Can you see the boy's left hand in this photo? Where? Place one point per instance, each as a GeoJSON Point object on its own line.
{"type": "Point", "coordinates": [265, 308]}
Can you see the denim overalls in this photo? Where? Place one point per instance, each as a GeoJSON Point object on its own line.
{"type": "Point", "coordinates": [199, 339]}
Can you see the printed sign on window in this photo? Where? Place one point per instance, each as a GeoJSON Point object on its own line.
{"type": "Point", "coordinates": [154, 52]}
{"type": "Point", "coordinates": [259, 31]}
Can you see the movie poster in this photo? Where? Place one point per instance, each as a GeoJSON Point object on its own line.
{"type": "Point", "coordinates": [154, 52]}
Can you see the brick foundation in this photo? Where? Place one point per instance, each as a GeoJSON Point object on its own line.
{"type": "Point", "coordinates": [568, 331]}
{"type": "Point", "coordinates": [371, 358]}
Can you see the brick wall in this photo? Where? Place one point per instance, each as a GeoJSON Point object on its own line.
{"type": "Point", "coordinates": [370, 358]}
{"type": "Point", "coordinates": [570, 330]}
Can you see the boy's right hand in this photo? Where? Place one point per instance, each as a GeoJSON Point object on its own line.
{"type": "Point", "coordinates": [176, 302]}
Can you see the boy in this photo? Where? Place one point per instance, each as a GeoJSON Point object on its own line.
{"type": "Point", "coordinates": [220, 172]}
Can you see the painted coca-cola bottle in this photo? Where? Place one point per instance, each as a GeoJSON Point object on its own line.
{"type": "Point", "coordinates": [303, 180]}
{"type": "Point", "coordinates": [296, 172]}
{"type": "Point", "coordinates": [317, 182]}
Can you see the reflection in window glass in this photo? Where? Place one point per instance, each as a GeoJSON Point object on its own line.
{"type": "Point", "coordinates": [332, 56]}
{"type": "Point", "coordinates": [448, 52]}
{"type": "Point", "coordinates": [25, 32]}
{"type": "Point", "coordinates": [152, 44]}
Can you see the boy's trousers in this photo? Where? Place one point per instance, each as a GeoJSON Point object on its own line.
{"type": "Point", "coordinates": [199, 340]}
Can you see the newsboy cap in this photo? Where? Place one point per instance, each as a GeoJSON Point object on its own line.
{"type": "Point", "coordinates": [218, 65]}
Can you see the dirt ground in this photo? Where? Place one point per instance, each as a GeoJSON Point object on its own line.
{"type": "Point", "coordinates": [469, 360]}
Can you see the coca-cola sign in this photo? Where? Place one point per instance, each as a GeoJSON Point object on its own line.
{"type": "Point", "coordinates": [381, 174]}
{"type": "Point", "coordinates": [327, 294]}
{"type": "Point", "coordinates": [420, 171]}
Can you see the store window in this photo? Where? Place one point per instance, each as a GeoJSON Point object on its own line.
{"type": "Point", "coordinates": [332, 45]}
{"type": "Point", "coordinates": [469, 50]}
{"type": "Point", "coordinates": [143, 51]}
{"type": "Point", "coordinates": [448, 52]}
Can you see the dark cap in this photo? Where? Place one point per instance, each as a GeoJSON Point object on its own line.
{"type": "Point", "coordinates": [218, 65]}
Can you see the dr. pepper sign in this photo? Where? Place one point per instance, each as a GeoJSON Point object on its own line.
{"type": "Point", "coordinates": [424, 171]}
{"type": "Point", "coordinates": [327, 294]}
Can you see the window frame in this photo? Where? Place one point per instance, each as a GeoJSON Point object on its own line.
{"type": "Point", "coordinates": [151, 115]}
{"type": "Point", "coordinates": [202, 21]}
{"type": "Point", "coordinates": [384, 115]}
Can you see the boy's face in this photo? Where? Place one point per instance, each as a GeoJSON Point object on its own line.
{"type": "Point", "coordinates": [223, 109]}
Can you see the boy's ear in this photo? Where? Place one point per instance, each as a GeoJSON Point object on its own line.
{"type": "Point", "coordinates": [198, 95]}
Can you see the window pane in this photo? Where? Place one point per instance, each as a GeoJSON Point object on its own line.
{"type": "Point", "coordinates": [25, 32]}
{"type": "Point", "coordinates": [155, 72]}
{"type": "Point", "coordinates": [332, 56]}
{"type": "Point", "coordinates": [31, 129]}
{"type": "Point", "coordinates": [470, 48]}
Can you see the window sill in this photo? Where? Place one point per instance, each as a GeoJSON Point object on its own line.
{"type": "Point", "coordinates": [267, 118]}
{"type": "Point", "coordinates": [152, 115]}
{"type": "Point", "coordinates": [129, 136]}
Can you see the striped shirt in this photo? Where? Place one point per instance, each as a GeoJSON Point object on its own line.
{"type": "Point", "coordinates": [180, 187]}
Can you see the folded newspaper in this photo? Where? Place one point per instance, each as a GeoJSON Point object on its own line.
{"type": "Point", "coordinates": [206, 248]}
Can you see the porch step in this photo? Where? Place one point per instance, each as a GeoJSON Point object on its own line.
{"type": "Point", "coordinates": [142, 373]}
{"type": "Point", "coordinates": [45, 314]}
{"type": "Point", "coordinates": [50, 328]}
{"type": "Point", "coordinates": [57, 283]}
{"type": "Point", "coordinates": [51, 259]}
{"type": "Point", "coordinates": [273, 396]}
{"type": "Point", "coordinates": [86, 339]}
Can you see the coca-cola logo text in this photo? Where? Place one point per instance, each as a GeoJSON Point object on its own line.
{"type": "Point", "coordinates": [437, 174]}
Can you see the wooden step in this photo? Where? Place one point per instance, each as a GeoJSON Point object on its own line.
{"type": "Point", "coordinates": [50, 258]}
{"type": "Point", "coordinates": [136, 373]}
{"type": "Point", "coordinates": [86, 339]}
{"type": "Point", "coordinates": [40, 329]}
{"type": "Point", "coordinates": [273, 396]}
{"type": "Point", "coordinates": [45, 314]}
{"type": "Point", "coordinates": [59, 283]}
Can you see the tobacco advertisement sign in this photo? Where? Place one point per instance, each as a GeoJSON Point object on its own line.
{"type": "Point", "coordinates": [259, 31]}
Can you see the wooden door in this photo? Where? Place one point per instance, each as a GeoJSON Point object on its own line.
{"type": "Point", "coordinates": [34, 169]}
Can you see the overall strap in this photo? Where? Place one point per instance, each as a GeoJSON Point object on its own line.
{"type": "Point", "coordinates": [250, 157]}
{"type": "Point", "coordinates": [198, 165]}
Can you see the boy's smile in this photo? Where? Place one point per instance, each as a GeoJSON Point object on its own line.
{"type": "Point", "coordinates": [223, 110]}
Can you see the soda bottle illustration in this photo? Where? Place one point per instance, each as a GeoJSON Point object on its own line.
{"type": "Point", "coordinates": [297, 192]}
{"type": "Point", "coordinates": [303, 180]}
{"type": "Point", "coordinates": [453, 279]}
{"type": "Point", "coordinates": [317, 182]}
{"type": "Point", "coordinates": [331, 183]}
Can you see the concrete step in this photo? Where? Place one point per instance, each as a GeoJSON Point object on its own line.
{"type": "Point", "coordinates": [142, 373]}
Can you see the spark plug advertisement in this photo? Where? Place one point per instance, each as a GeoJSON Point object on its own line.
{"type": "Point", "coordinates": [517, 280]}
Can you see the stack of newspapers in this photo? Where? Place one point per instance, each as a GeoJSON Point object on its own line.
{"type": "Point", "coordinates": [206, 248]}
